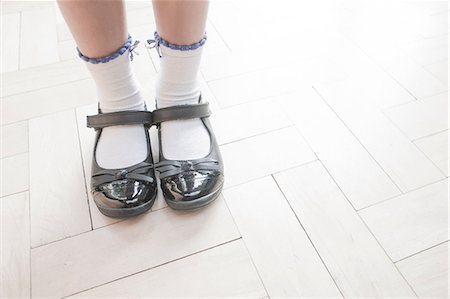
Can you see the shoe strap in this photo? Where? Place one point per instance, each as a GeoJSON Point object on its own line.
{"type": "Point", "coordinates": [119, 118]}
{"type": "Point", "coordinates": [137, 172]}
{"type": "Point", "coordinates": [181, 112]}
{"type": "Point", "coordinates": [172, 167]}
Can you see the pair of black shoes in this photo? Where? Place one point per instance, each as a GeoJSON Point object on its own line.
{"type": "Point", "coordinates": [186, 184]}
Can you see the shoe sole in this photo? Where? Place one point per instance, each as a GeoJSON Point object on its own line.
{"type": "Point", "coordinates": [194, 204]}
{"type": "Point", "coordinates": [127, 213]}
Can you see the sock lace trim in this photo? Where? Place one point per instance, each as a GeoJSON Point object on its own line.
{"type": "Point", "coordinates": [128, 45]}
{"type": "Point", "coordinates": [155, 43]}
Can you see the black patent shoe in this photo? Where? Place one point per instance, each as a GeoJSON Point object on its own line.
{"type": "Point", "coordinates": [124, 192]}
{"type": "Point", "coordinates": [189, 184]}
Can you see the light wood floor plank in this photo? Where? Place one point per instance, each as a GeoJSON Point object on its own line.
{"type": "Point", "coordinates": [130, 5]}
{"type": "Point", "coordinates": [14, 174]}
{"type": "Point", "coordinates": [15, 249]}
{"type": "Point", "coordinates": [437, 25]}
{"type": "Point", "coordinates": [427, 51]}
{"type": "Point", "coordinates": [436, 148]}
{"type": "Point", "coordinates": [408, 73]}
{"type": "Point", "coordinates": [127, 247]}
{"type": "Point", "coordinates": [66, 50]}
{"type": "Point", "coordinates": [10, 33]}
{"type": "Point", "coordinates": [222, 63]}
{"type": "Point", "coordinates": [346, 159]}
{"type": "Point", "coordinates": [141, 16]}
{"type": "Point", "coordinates": [264, 154]}
{"type": "Point", "coordinates": [274, 81]}
{"type": "Point", "coordinates": [439, 70]}
{"type": "Point", "coordinates": [287, 262]}
{"type": "Point", "coordinates": [208, 96]}
{"type": "Point", "coordinates": [19, 6]}
{"type": "Point", "coordinates": [249, 119]}
{"type": "Point", "coordinates": [377, 88]}
{"type": "Point", "coordinates": [63, 33]}
{"type": "Point", "coordinates": [38, 38]}
{"type": "Point", "coordinates": [43, 77]}
{"type": "Point", "coordinates": [407, 166]}
{"type": "Point", "coordinates": [14, 139]}
{"type": "Point", "coordinates": [48, 100]}
{"type": "Point", "coordinates": [421, 118]}
{"type": "Point", "coordinates": [357, 263]}
{"type": "Point", "coordinates": [363, 17]}
{"type": "Point", "coordinates": [225, 271]}
{"type": "Point", "coordinates": [381, 41]}
{"type": "Point", "coordinates": [412, 222]}
{"type": "Point", "coordinates": [427, 272]}
{"type": "Point", "coordinates": [59, 206]}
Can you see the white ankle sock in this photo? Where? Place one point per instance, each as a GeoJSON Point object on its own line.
{"type": "Point", "coordinates": [118, 90]}
{"type": "Point", "coordinates": [178, 85]}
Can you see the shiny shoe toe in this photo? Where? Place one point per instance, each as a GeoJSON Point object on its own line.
{"type": "Point", "coordinates": [124, 198]}
{"type": "Point", "coordinates": [191, 189]}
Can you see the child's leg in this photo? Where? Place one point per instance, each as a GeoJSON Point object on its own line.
{"type": "Point", "coordinates": [99, 29]}
{"type": "Point", "coordinates": [181, 23]}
